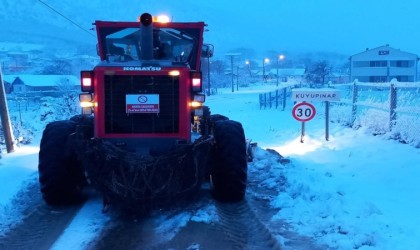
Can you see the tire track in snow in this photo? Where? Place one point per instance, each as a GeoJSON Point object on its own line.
{"type": "Point", "coordinates": [41, 224]}
{"type": "Point", "coordinates": [236, 227]}
{"type": "Point", "coordinates": [242, 227]}
{"type": "Point", "coordinates": [158, 230]}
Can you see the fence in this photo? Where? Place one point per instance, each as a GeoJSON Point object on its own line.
{"type": "Point", "coordinates": [275, 98]}
{"type": "Point", "coordinates": [385, 108]}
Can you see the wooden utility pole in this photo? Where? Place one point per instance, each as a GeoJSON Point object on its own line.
{"type": "Point", "coordinates": [5, 119]}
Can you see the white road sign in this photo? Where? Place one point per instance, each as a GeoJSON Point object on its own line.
{"type": "Point", "coordinates": [304, 111]}
{"type": "Point", "coordinates": [306, 94]}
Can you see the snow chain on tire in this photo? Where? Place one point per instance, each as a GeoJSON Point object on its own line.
{"type": "Point", "coordinates": [229, 170]}
{"type": "Point", "coordinates": [60, 174]}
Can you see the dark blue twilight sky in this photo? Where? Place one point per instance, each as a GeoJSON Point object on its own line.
{"type": "Point", "coordinates": [343, 26]}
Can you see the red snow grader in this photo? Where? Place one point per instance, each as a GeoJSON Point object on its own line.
{"type": "Point", "coordinates": [144, 137]}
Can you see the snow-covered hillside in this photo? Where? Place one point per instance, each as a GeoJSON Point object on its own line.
{"type": "Point", "coordinates": [68, 23]}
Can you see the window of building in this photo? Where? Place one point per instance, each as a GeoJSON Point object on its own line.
{"type": "Point", "coordinates": [403, 78]}
{"type": "Point", "coordinates": [402, 64]}
{"type": "Point", "coordinates": [360, 64]}
{"type": "Point", "coordinates": [377, 79]}
{"type": "Point", "coordinates": [378, 63]}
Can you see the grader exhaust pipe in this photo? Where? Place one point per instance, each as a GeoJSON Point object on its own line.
{"type": "Point", "coordinates": [146, 39]}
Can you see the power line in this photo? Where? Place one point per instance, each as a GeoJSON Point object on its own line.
{"type": "Point", "coordinates": [68, 19]}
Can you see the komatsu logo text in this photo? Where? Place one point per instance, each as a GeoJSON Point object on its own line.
{"type": "Point", "coordinates": [149, 68]}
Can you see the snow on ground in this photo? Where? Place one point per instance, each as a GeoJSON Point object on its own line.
{"type": "Point", "coordinates": [355, 191]}
{"type": "Point", "coordinates": [358, 194]}
{"type": "Point", "coordinates": [16, 171]}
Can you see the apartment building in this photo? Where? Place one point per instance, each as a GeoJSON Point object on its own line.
{"type": "Point", "coordinates": [382, 64]}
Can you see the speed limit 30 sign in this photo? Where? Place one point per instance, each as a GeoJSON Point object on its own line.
{"type": "Point", "coordinates": [303, 111]}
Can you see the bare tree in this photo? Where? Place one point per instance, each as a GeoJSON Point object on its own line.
{"type": "Point", "coordinates": [68, 104]}
{"type": "Point", "coordinates": [58, 67]}
{"type": "Point", "coordinates": [317, 72]}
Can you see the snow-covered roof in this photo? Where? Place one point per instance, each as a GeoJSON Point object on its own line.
{"type": "Point", "coordinates": [42, 80]}
{"type": "Point", "coordinates": [85, 57]}
{"type": "Point", "coordinates": [385, 51]}
{"type": "Point", "coordinates": [288, 71]}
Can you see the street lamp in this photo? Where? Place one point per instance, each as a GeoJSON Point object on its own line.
{"type": "Point", "coordinates": [266, 60]}
{"type": "Point", "coordinates": [280, 58]}
{"type": "Point", "coordinates": [248, 63]}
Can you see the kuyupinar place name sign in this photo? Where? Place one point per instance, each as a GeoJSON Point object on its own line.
{"type": "Point", "coordinates": [304, 111]}
{"type": "Point", "coordinates": [319, 95]}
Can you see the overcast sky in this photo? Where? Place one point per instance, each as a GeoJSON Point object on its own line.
{"type": "Point", "coordinates": [343, 26]}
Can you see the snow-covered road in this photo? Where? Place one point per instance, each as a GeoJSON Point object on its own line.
{"type": "Point", "coordinates": [243, 225]}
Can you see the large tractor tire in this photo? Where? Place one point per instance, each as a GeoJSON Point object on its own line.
{"type": "Point", "coordinates": [60, 173]}
{"type": "Point", "coordinates": [229, 170]}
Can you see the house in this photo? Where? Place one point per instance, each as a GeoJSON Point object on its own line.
{"type": "Point", "coordinates": [287, 73]}
{"type": "Point", "coordinates": [18, 86]}
{"type": "Point", "coordinates": [48, 85]}
{"type": "Point", "coordinates": [382, 64]}
{"type": "Point", "coordinates": [17, 57]}
{"type": "Point", "coordinates": [335, 77]}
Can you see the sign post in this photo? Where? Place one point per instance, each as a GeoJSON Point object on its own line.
{"type": "Point", "coordinates": [327, 119]}
{"type": "Point", "coordinates": [302, 133]}
{"type": "Point", "coordinates": [303, 112]}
